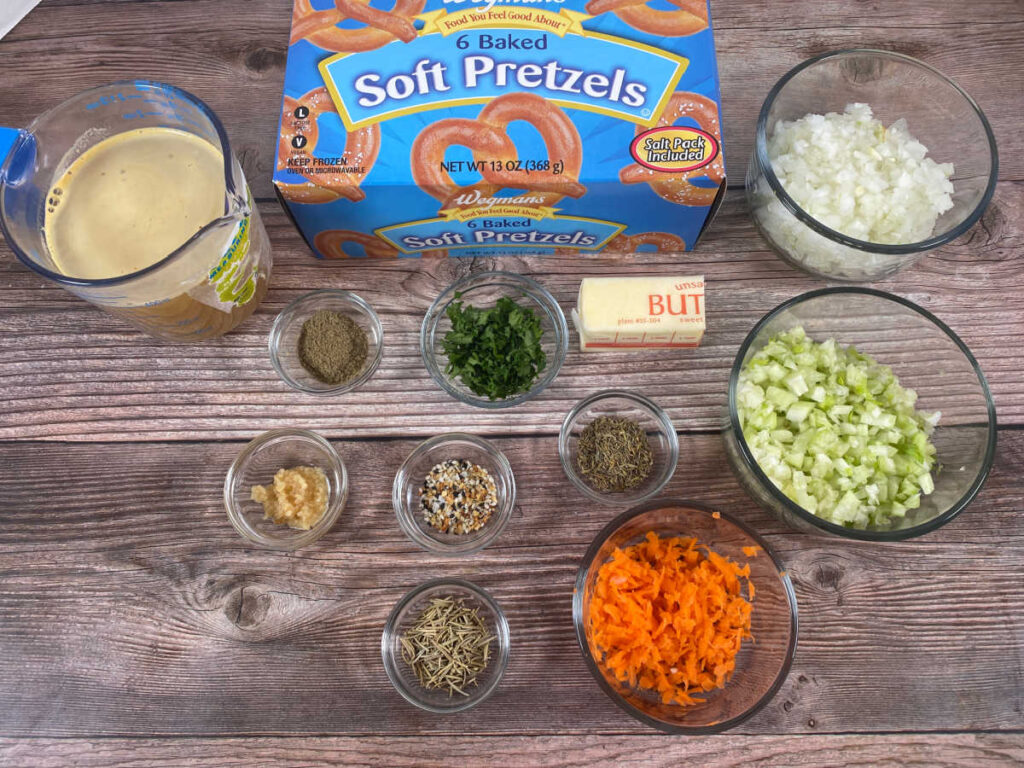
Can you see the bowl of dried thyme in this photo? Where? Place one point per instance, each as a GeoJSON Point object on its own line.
{"type": "Point", "coordinates": [618, 447]}
{"type": "Point", "coordinates": [445, 645]}
{"type": "Point", "coordinates": [454, 494]}
{"type": "Point", "coordinates": [326, 342]}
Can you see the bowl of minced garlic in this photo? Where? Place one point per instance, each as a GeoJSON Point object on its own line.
{"type": "Point", "coordinates": [286, 489]}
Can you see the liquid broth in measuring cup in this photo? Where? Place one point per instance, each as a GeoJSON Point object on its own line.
{"type": "Point", "coordinates": [127, 202]}
{"type": "Point", "coordinates": [129, 196]}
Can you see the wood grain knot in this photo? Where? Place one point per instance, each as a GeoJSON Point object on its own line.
{"type": "Point", "coordinates": [246, 608]}
{"type": "Point", "coordinates": [828, 576]}
{"type": "Point", "coordinates": [262, 59]}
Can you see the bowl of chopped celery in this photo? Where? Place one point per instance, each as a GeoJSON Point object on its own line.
{"type": "Point", "coordinates": [864, 160]}
{"type": "Point", "coordinates": [858, 413]}
{"type": "Point", "coordinates": [494, 339]}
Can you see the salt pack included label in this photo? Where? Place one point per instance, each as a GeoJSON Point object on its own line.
{"type": "Point", "coordinates": [447, 127]}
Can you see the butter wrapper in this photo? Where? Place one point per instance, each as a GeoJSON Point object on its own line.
{"type": "Point", "coordinates": [639, 312]}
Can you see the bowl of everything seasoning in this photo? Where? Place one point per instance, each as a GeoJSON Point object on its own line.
{"type": "Point", "coordinates": [494, 339]}
{"type": "Point", "coordinates": [454, 494]}
{"type": "Point", "coordinates": [445, 646]}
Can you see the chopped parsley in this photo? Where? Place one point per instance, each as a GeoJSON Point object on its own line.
{"type": "Point", "coordinates": [496, 352]}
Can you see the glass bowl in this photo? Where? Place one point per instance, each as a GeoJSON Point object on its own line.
{"type": "Point", "coordinates": [408, 610]}
{"type": "Point", "coordinates": [938, 113]}
{"type": "Point", "coordinates": [661, 436]}
{"type": "Point", "coordinates": [405, 492]}
{"type": "Point", "coordinates": [927, 357]}
{"type": "Point", "coordinates": [257, 464]}
{"type": "Point", "coordinates": [284, 340]}
{"type": "Point", "coordinates": [483, 290]}
{"type": "Point", "coordinates": [761, 664]}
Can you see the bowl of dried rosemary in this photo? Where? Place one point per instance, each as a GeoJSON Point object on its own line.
{"type": "Point", "coordinates": [618, 447]}
{"type": "Point", "coordinates": [445, 646]}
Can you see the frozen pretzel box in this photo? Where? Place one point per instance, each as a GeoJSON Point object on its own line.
{"type": "Point", "coordinates": [467, 128]}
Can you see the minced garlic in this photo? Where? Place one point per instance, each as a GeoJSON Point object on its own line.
{"type": "Point", "coordinates": [297, 498]}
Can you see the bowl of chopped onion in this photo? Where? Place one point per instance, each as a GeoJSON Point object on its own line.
{"type": "Point", "coordinates": [856, 412]}
{"type": "Point", "coordinates": [864, 160]}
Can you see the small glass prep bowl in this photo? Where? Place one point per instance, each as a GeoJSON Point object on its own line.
{"type": "Point", "coordinates": [408, 611]}
{"type": "Point", "coordinates": [661, 436]}
{"type": "Point", "coordinates": [284, 339]}
{"type": "Point", "coordinates": [257, 464]}
{"type": "Point", "coordinates": [939, 115]}
{"type": "Point", "coordinates": [405, 492]}
{"type": "Point", "coordinates": [483, 290]}
{"type": "Point", "coordinates": [762, 662]}
{"type": "Point", "coordinates": [927, 357]}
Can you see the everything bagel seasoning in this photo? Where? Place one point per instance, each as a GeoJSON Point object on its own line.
{"type": "Point", "coordinates": [458, 497]}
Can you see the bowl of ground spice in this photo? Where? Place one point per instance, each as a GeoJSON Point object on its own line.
{"type": "Point", "coordinates": [445, 646]}
{"type": "Point", "coordinates": [326, 342]}
{"type": "Point", "coordinates": [286, 489]}
{"type": "Point", "coordinates": [454, 494]}
{"type": "Point", "coordinates": [618, 447]}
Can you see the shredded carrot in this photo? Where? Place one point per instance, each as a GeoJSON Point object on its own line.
{"type": "Point", "coordinates": [751, 551]}
{"type": "Point", "coordinates": [717, 515]}
{"type": "Point", "coordinates": [669, 616]}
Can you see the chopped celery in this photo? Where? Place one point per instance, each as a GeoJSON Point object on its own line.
{"type": "Point", "coordinates": [835, 431]}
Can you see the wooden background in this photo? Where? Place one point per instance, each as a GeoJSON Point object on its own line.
{"type": "Point", "coordinates": [137, 629]}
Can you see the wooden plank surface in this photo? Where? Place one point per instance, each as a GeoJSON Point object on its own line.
{"type": "Point", "coordinates": [70, 372]}
{"type": "Point", "coordinates": [898, 751]}
{"type": "Point", "coordinates": [136, 629]}
{"type": "Point", "coordinates": [157, 618]}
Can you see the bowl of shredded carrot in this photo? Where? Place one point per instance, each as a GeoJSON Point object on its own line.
{"type": "Point", "coordinates": [685, 617]}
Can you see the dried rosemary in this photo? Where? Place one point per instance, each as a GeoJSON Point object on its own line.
{"type": "Point", "coordinates": [448, 646]}
{"type": "Point", "coordinates": [613, 454]}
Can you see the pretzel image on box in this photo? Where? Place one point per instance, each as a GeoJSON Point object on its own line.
{"type": "Point", "coordinates": [360, 150]}
{"type": "Point", "coordinates": [677, 187]}
{"type": "Point", "coordinates": [490, 127]}
{"type": "Point", "coordinates": [495, 152]}
{"type": "Point", "coordinates": [651, 242]}
{"type": "Point", "coordinates": [382, 27]}
{"type": "Point", "coordinates": [331, 243]}
{"type": "Point", "coordinates": [692, 16]}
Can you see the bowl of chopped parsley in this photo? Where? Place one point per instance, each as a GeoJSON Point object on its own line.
{"type": "Point", "coordinates": [494, 339]}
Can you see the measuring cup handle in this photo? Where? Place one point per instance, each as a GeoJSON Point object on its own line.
{"type": "Point", "coordinates": [7, 138]}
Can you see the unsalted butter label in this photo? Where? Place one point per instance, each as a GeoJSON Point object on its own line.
{"type": "Point", "coordinates": [640, 312]}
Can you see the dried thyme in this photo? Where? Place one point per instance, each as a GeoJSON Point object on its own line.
{"type": "Point", "coordinates": [614, 454]}
{"type": "Point", "coordinates": [448, 646]}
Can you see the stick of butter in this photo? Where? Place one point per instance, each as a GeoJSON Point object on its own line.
{"type": "Point", "coordinates": [639, 312]}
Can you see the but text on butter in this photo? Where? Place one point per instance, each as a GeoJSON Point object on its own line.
{"type": "Point", "coordinates": [639, 312]}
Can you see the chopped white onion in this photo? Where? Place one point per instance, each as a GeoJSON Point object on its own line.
{"type": "Point", "coordinates": [857, 177]}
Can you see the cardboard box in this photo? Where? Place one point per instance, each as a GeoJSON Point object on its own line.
{"type": "Point", "coordinates": [464, 128]}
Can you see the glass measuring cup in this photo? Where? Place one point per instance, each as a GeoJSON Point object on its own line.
{"type": "Point", "coordinates": [204, 287]}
